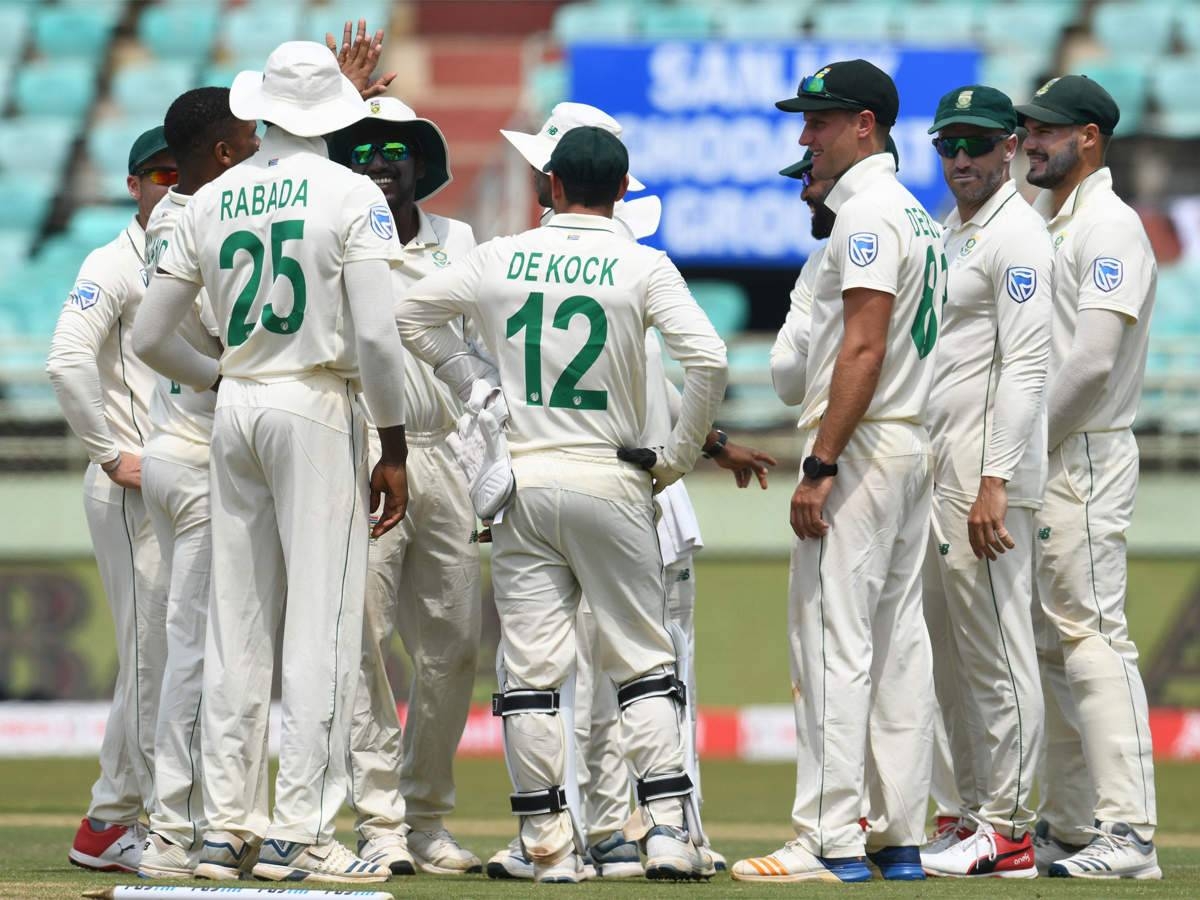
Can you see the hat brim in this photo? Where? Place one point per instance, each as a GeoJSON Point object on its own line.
{"type": "Point", "coordinates": [967, 119]}
{"type": "Point", "coordinates": [1042, 114]}
{"type": "Point", "coordinates": [641, 215]}
{"type": "Point", "coordinates": [796, 169]}
{"type": "Point", "coordinates": [537, 149]}
{"type": "Point", "coordinates": [248, 100]}
{"type": "Point", "coordinates": [433, 149]}
{"type": "Point", "coordinates": [814, 102]}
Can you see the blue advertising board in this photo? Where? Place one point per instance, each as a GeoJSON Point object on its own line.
{"type": "Point", "coordinates": [703, 133]}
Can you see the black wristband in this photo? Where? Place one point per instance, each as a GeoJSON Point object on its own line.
{"type": "Point", "coordinates": [716, 447]}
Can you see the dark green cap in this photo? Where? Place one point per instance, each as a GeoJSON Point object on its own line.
{"type": "Point", "coordinates": [1072, 100]}
{"type": "Point", "coordinates": [850, 84]}
{"type": "Point", "coordinates": [975, 104]}
{"type": "Point", "coordinates": [149, 143]}
{"type": "Point", "coordinates": [589, 155]}
{"type": "Point", "coordinates": [797, 169]}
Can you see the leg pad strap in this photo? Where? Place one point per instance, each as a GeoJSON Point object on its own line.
{"type": "Point", "coordinates": [660, 787]}
{"type": "Point", "coordinates": [534, 803]}
{"type": "Point", "coordinates": [510, 703]}
{"type": "Point", "coordinates": [662, 685]}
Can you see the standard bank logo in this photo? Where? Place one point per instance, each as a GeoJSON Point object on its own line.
{"type": "Point", "coordinates": [1108, 273]}
{"type": "Point", "coordinates": [381, 222]}
{"type": "Point", "coordinates": [864, 247]}
{"type": "Point", "coordinates": [84, 294]}
{"type": "Point", "coordinates": [1021, 282]}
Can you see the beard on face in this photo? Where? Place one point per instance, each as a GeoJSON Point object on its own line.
{"type": "Point", "coordinates": [822, 221]}
{"type": "Point", "coordinates": [1057, 167]}
{"type": "Point", "coordinates": [981, 190]}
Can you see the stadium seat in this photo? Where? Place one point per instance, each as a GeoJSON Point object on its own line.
{"type": "Point", "coordinates": [725, 303]}
{"type": "Point", "coordinates": [1173, 84]}
{"type": "Point", "coordinates": [1126, 81]}
{"type": "Point", "coordinates": [25, 199]}
{"type": "Point", "coordinates": [93, 226]}
{"type": "Point", "coordinates": [545, 85]}
{"type": "Point", "coordinates": [108, 146]}
{"type": "Point", "coordinates": [936, 23]}
{"type": "Point", "coordinates": [14, 25]}
{"type": "Point", "coordinates": [1141, 29]}
{"type": "Point", "coordinates": [1187, 21]}
{"type": "Point", "coordinates": [862, 22]}
{"type": "Point", "coordinates": [148, 88]}
{"type": "Point", "coordinates": [332, 16]}
{"type": "Point", "coordinates": [179, 32]}
{"type": "Point", "coordinates": [257, 30]}
{"type": "Point", "coordinates": [769, 19]}
{"type": "Point", "coordinates": [35, 144]}
{"type": "Point", "coordinates": [221, 75]}
{"type": "Point", "coordinates": [76, 31]}
{"type": "Point", "coordinates": [14, 247]}
{"type": "Point", "coordinates": [59, 88]}
{"type": "Point", "coordinates": [582, 22]}
{"type": "Point", "coordinates": [1039, 27]}
{"type": "Point", "coordinates": [1017, 74]}
{"type": "Point", "coordinates": [660, 21]}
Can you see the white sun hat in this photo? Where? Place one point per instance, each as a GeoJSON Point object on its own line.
{"type": "Point", "coordinates": [301, 90]}
{"type": "Point", "coordinates": [641, 215]}
{"type": "Point", "coordinates": [431, 143]}
{"type": "Point", "coordinates": [536, 148]}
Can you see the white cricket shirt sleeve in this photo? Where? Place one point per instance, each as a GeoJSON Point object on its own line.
{"type": "Point", "coordinates": [380, 353]}
{"type": "Point", "coordinates": [156, 337]}
{"type": "Point", "coordinates": [181, 259]}
{"type": "Point", "coordinates": [693, 343]}
{"type": "Point", "coordinates": [367, 213]}
{"type": "Point", "coordinates": [1115, 253]}
{"type": "Point", "coordinates": [789, 354]}
{"type": "Point", "coordinates": [868, 249]}
{"type": "Point", "coordinates": [1095, 347]}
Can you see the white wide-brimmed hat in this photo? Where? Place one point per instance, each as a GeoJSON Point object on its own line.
{"type": "Point", "coordinates": [301, 90]}
{"type": "Point", "coordinates": [640, 215]}
{"type": "Point", "coordinates": [536, 148]}
{"type": "Point", "coordinates": [430, 142]}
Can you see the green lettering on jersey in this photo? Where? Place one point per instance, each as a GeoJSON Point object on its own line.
{"type": "Point", "coordinates": [258, 200]}
{"type": "Point", "coordinates": [589, 278]}
{"type": "Point", "coordinates": [241, 207]}
{"type": "Point", "coordinates": [516, 265]}
{"type": "Point", "coordinates": [552, 269]}
{"type": "Point", "coordinates": [606, 271]}
{"type": "Point", "coordinates": [263, 199]}
{"type": "Point", "coordinates": [921, 223]}
{"type": "Point", "coordinates": [226, 205]}
{"type": "Point", "coordinates": [535, 263]}
{"type": "Point", "coordinates": [301, 194]}
{"type": "Point", "coordinates": [569, 274]}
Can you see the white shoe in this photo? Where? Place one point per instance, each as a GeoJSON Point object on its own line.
{"type": "Point", "coordinates": [292, 861]}
{"type": "Point", "coordinates": [510, 863]}
{"type": "Point", "coordinates": [225, 857]}
{"type": "Point", "coordinates": [793, 863]}
{"type": "Point", "coordinates": [162, 859]}
{"type": "Point", "coordinates": [949, 832]}
{"type": "Point", "coordinates": [114, 848]}
{"type": "Point", "coordinates": [1116, 851]}
{"type": "Point", "coordinates": [671, 856]}
{"type": "Point", "coordinates": [390, 851]}
{"type": "Point", "coordinates": [718, 860]}
{"type": "Point", "coordinates": [567, 868]}
{"type": "Point", "coordinates": [438, 853]}
{"type": "Point", "coordinates": [984, 853]}
{"type": "Point", "coordinates": [615, 857]}
{"type": "Point", "coordinates": [1048, 850]}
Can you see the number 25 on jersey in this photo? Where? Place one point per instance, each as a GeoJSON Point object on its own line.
{"type": "Point", "coordinates": [241, 323]}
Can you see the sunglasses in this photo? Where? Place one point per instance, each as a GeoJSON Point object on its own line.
{"type": "Point", "coordinates": [392, 151]}
{"type": "Point", "coordinates": [815, 84]}
{"type": "Point", "coordinates": [166, 176]}
{"type": "Point", "coordinates": [806, 179]}
{"type": "Point", "coordinates": [972, 146]}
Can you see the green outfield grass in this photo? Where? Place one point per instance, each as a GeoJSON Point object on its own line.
{"type": "Point", "coordinates": [746, 811]}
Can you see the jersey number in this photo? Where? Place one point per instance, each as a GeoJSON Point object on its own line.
{"type": "Point", "coordinates": [241, 323]}
{"type": "Point", "coordinates": [566, 394]}
{"type": "Point", "coordinates": [925, 325]}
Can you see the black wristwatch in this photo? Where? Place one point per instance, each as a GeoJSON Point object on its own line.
{"type": "Point", "coordinates": [717, 446]}
{"type": "Point", "coordinates": [816, 468]}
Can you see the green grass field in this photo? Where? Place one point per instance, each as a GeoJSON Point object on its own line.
{"type": "Point", "coordinates": [746, 812]}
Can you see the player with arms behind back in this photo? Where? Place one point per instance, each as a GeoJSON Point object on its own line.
{"type": "Point", "coordinates": [295, 252]}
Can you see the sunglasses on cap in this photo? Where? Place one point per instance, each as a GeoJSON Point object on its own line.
{"type": "Point", "coordinates": [815, 84]}
{"type": "Point", "coordinates": [392, 151]}
{"type": "Point", "coordinates": [972, 146]}
{"type": "Point", "coordinates": [166, 176]}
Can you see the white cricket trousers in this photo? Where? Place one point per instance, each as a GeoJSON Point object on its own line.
{"type": "Point", "coordinates": [861, 669]}
{"type": "Point", "coordinates": [135, 584]}
{"type": "Point", "coordinates": [985, 662]}
{"type": "Point", "coordinates": [572, 528]}
{"type": "Point", "coordinates": [423, 580]}
{"type": "Point", "coordinates": [1082, 580]}
{"type": "Point", "coordinates": [176, 499]}
{"type": "Point", "coordinates": [289, 529]}
{"type": "Point", "coordinates": [604, 786]}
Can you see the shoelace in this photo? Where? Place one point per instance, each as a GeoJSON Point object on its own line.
{"type": "Point", "coordinates": [983, 830]}
{"type": "Point", "coordinates": [340, 858]}
{"type": "Point", "coordinates": [1107, 842]}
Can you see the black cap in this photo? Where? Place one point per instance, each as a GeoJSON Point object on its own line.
{"type": "Point", "coordinates": [975, 104]}
{"type": "Point", "coordinates": [1072, 100]}
{"type": "Point", "coordinates": [850, 84]}
{"type": "Point", "coordinates": [589, 155]}
{"type": "Point", "coordinates": [797, 169]}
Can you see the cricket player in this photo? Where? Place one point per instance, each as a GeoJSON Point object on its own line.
{"type": "Point", "coordinates": [1104, 282]}
{"type": "Point", "coordinates": [860, 652]}
{"type": "Point", "coordinates": [295, 253]}
{"type": "Point", "coordinates": [205, 139]}
{"type": "Point", "coordinates": [423, 577]}
{"type": "Point", "coordinates": [987, 424]}
{"type": "Point", "coordinates": [565, 309]}
{"type": "Point", "coordinates": [104, 391]}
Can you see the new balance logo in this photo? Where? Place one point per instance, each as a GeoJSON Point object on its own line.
{"type": "Point", "coordinates": [1043, 534]}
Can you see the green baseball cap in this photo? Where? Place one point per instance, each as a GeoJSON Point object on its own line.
{"type": "Point", "coordinates": [1072, 100]}
{"type": "Point", "coordinates": [975, 104]}
{"type": "Point", "coordinates": [849, 84]}
{"type": "Point", "coordinates": [149, 143]}
{"type": "Point", "coordinates": [589, 155]}
{"type": "Point", "coordinates": [797, 169]}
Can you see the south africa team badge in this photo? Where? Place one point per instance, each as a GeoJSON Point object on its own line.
{"type": "Point", "coordinates": [864, 247]}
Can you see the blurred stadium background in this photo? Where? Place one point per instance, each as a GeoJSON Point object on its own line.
{"type": "Point", "coordinates": [694, 83]}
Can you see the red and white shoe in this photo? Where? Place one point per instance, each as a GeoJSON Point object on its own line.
{"type": "Point", "coordinates": [983, 854]}
{"type": "Point", "coordinates": [116, 848]}
{"type": "Point", "coordinates": [948, 831]}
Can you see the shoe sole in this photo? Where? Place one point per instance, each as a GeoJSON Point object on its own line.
{"type": "Point", "coordinates": [217, 872]}
{"type": "Point", "coordinates": [828, 877]}
{"type": "Point", "coordinates": [96, 864]}
{"type": "Point", "coordinates": [431, 869]}
{"type": "Point", "coordinates": [272, 872]}
{"type": "Point", "coordinates": [1154, 874]}
{"type": "Point", "coordinates": [620, 870]}
{"type": "Point", "coordinates": [1012, 873]}
{"type": "Point", "coordinates": [157, 872]}
{"type": "Point", "coordinates": [673, 870]}
{"type": "Point", "coordinates": [500, 873]}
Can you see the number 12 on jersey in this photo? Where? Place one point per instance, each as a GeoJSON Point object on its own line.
{"type": "Point", "coordinates": [566, 393]}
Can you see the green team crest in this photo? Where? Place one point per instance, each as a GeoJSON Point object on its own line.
{"type": "Point", "coordinates": [968, 247]}
{"type": "Point", "coordinates": [440, 259]}
{"type": "Point", "coordinates": [1043, 534]}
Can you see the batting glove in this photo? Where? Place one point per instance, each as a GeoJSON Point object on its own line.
{"type": "Point", "coordinates": [651, 460]}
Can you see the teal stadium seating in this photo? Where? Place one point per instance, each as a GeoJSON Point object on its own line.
{"type": "Point", "coordinates": [769, 19]}
{"type": "Point", "coordinates": [39, 146]}
{"type": "Point", "coordinates": [1139, 30]}
{"type": "Point", "coordinates": [92, 226]}
{"type": "Point", "coordinates": [252, 32]}
{"type": "Point", "coordinates": [148, 88]}
{"type": "Point", "coordinates": [1039, 26]}
{"type": "Point", "coordinates": [593, 22]}
{"type": "Point", "coordinates": [180, 32]}
{"type": "Point", "coordinates": [62, 88]}
{"type": "Point", "coordinates": [1126, 80]}
{"type": "Point", "coordinates": [661, 21]}
{"type": "Point", "coordinates": [66, 32]}
{"type": "Point", "coordinates": [867, 21]}
{"type": "Point", "coordinates": [332, 16]}
{"type": "Point", "coordinates": [724, 302]}
{"type": "Point", "coordinates": [1175, 86]}
{"type": "Point", "coordinates": [937, 24]}
{"type": "Point", "coordinates": [25, 199]}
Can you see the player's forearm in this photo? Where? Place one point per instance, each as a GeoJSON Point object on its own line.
{"type": "Point", "coordinates": [851, 389]}
{"type": "Point", "coordinates": [703, 391]}
{"type": "Point", "coordinates": [789, 361]}
{"type": "Point", "coordinates": [76, 382]}
{"type": "Point", "coordinates": [156, 338]}
{"type": "Point", "coordinates": [1015, 416]}
{"type": "Point", "coordinates": [1083, 376]}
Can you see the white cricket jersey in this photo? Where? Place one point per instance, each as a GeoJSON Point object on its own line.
{"type": "Point", "coordinates": [181, 419]}
{"type": "Point", "coordinates": [1102, 260]}
{"type": "Point", "coordinates": [883, 239]}
{"type": "Point", "coordinates": [789, 353]}
{"type": "Point", "coordinates": [987, 411]}
{"type": "Point", "coordinates": [104, 389]}
{"type": "Point", "coordinates": [269, 239]}
{"type": "Point", "coordinates": [565, 309]}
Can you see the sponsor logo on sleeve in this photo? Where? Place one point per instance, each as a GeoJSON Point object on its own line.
{"type": "Point", "coordinates": [1108, 273]}
{"type": "Point", "coordinates": [1021, 282]}
{"type": "Point", "coordinates": [864, 247]}
{"type": "Point", "coordinates": [84, 294]}
{"type": "Point", "coordinates": [381, 222]}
